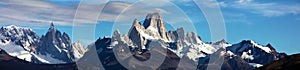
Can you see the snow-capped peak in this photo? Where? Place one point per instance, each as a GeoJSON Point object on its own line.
{"type": "Point", "coordinates": [17, 41]}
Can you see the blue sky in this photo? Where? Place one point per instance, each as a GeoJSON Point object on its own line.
{"type": "Point", "coordinates": [267, 21]}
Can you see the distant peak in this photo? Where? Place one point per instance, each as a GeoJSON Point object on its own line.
{"type": "Point", "coordinates": [222, 41]}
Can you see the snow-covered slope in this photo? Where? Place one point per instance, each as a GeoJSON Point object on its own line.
{"type": "Point", "coordinates": [15, 50]}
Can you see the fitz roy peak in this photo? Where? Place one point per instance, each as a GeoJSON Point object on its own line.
{"type": "Point", "coordinates": [152, 28]}
{"type": "Point", "coordinates": [53, 48]}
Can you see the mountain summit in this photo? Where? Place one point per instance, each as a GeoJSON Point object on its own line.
{"type": "Point", "coordinates": [152, 28]}
{"type": "Point", "coordinates": [155, 22]}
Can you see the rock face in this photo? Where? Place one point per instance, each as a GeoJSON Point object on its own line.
{"type": "Point", "coordinates": [109, 59]}
{"type": "Point", "coordinates": [155, 22]}
{"type": "Point", "coordinates": [53, 48]}
{"type": "Point", "coordinates": [153, 27]}
{"type": "Point", "coordinates": [135, 34]}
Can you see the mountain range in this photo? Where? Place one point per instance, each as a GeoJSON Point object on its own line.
{"type": "Point", "coordinates": [53, 48]}
{"type": "Point", "coordinates": [151, 34]}
{"type": "Point", "coordinates": [144, 42]}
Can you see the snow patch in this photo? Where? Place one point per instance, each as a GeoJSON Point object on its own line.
{"type": "Point", "coordinates": [256, 65]}
{"type": "Point", "coordinates": [230, 53]}
{"type": "Point", "coordinates": [47, 59]}
{"type": "Point", "coordinates": [246, 56]}
{"type": "Point", "coordinates": [57, 48]}
{"type": "Point", "coordinates": [114, 43]}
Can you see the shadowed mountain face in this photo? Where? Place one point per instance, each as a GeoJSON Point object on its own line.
{"type": "Point", "coordinates": [110, 62]}
{"type": "Point", "coordinates": [291, 62]}
{"type": "Point", "coordinates": [55, 43]}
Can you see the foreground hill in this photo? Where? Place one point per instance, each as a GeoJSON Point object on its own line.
{"type": "Point", "coordinates": [287, 63]}
{"type": "Point", "coordinates": [8, 62]}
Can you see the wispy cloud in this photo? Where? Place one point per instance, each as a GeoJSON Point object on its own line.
{"type": "Point", "coordinates": [125, 11]}
{"type": "Point", "coordinates": [41, 13]}
{"type": "Point", "coordinates": [33, 12]}
{"type": "Point", "coordinates": [265, 9]}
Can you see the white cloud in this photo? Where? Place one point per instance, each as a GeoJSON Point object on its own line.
{"type": "Point", "coordinates": [265, 9]}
